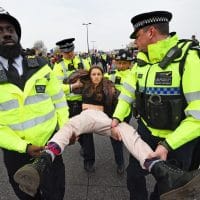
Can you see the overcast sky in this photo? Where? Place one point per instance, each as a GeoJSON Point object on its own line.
{"type": "Point", "coordinates": [53, 20]}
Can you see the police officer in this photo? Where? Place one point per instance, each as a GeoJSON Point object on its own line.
{"type": "Point", "coordinates": [123, 63]}
{"type": "Point", "coordinates": [32, 107]}
{"type": "Point", "coordinates": [165, 87]}
{"type": "Point", "coordinates": [63, 69]}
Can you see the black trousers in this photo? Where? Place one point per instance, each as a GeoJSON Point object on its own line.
{"type": "Point", "coordinates": [86, 140]}
{"type": "Point", "coordinates": [136, 183]}
{"type": "Point", "coordinates": [87, 143]}
{"type": "Point", "coordinates": [118, 151]}
{"type": "Point", "coordinates": [53, 183]}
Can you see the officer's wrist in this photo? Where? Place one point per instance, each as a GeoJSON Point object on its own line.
{"type": "Point", "coordinates": [117, 121]}
{"type": "Point", "coordinates": [165, 144]}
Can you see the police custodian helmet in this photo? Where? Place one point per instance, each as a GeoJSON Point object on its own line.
{"type": "Point", "coordinates": [124, 55]}
{"type": "Point", "coordinates": [66, 45]}
{"type": "Point", "coordinates": [149, 18]}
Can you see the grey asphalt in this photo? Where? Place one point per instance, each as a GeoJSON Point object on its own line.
{"type": "Point", "coordinates": [103, 184]}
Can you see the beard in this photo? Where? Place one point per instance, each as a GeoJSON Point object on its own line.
{"type": "Point", "coordinates": [12, 51]}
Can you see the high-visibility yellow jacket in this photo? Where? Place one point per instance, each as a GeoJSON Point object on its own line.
{"type": "Point", "coordinates": [31, 116]}
{"type": "Point", "coordinates": [62, 71]}
{"type": "Point", "coordinates": [147, 78]}
{"type": "Point", "coordinates": [118, 78]}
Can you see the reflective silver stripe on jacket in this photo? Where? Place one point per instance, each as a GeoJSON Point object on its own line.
{"type": "Point", "coordinates": [61, 105]}
{"type": "Point", "coordinates": [12, 104]}
{"type": "Point", "coordinates": [9, 105]}
{"type": "Point", "coordinates": [193, 113]}
{"type": "Point", "coordinates": [61, 78]}
{"type": "Point", "coordinates": [126, 98]}
{"type": "Point", "coordinates": [32, 122]}
{"type": "Point", "coordinates": [129, 88]}
{"type": "Point", "coordinates": [58, 96]}
{"type": "Point", "coordinates": [192, 96]}
{"type": "Point", "coordinates": [71, 94]}
{"type": "Point", "coordinates": [36, 99]}
{"type": "Point", "coordinates": [64, 68]}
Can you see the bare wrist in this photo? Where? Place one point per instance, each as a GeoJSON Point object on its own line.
{"type": "Point", "coordinates": [165, 144]}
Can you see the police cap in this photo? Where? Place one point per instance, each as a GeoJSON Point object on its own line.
{"type": "Point", "coordinates": [124, 55]}
{"type": "Point", "coordinates": [149, 18]}
{"type": "Point", "coordinates": [66, 45]}
{"type": "Point", "coordinates": [4, 15]}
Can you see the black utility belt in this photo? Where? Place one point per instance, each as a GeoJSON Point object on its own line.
{"type": "Point", "coordinates": [160, 111]}
{"type": "Point", "coordinates": [74, 103]}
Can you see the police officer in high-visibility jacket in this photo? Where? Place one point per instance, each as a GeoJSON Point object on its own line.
{"type": "Point", "coordinates": [63, 69]}
{"type": "Point", "coordinates": [165, 87]}
{"type": "Point", "coordinates": [32, 108]}
{"type": "Point", "coordinates": [123, 65]}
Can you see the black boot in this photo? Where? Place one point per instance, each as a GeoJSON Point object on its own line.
{"type": "Point", "coordinates": [29, 176]}
{"type": "Point", "coordinates": [176, 184]}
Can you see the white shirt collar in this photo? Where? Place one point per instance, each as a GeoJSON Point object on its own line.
{"type": "Point", "coordinates": [17, 63]}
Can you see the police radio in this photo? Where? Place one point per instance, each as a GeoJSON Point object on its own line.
{"type": "Point", "coordinates": [117, 80]}
{"type": "Point", "coordinates": [80, 66]}
{"type": "Point", "coordinates": [71, 67]}
{"type": "Point", "coordinates": [171, 55]}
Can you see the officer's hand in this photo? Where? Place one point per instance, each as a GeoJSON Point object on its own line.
{"type": "Point", "coordinates": [33, 150]}
{"type": "Point", "coordinates": [160, 152]}
{"type": "Point", "coordinates": [73, 139]}
{"type": "Point", "coordinates": [115, 134]}
{"type": "Point", "coordinates": [114, 123]}
{"type": "Point", "coordinates": [78, 84]}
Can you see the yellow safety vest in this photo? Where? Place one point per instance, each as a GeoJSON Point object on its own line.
{"type": "Point", "coordinates": [62, 71]}
{"type": "Point", "coordinates": [150, 79]}
{"type": "Point", "coordinates": [31, 116]}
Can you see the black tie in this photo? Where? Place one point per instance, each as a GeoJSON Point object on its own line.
{"type": "Point", "coordinates": [12, 71]}
{"type": "Point", "coordinates": [13, 75]}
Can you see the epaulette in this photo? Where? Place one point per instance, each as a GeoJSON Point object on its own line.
{"type": "Point", "coordinates": [141, 63]}
{"type": "Point", "coordinates": [195, 48]}
{"type": "Point", "coordinates": [36, 61]}
{"type": "Point", "coordinates": [112, 72]}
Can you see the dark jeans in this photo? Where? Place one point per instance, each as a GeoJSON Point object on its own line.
{"type": "Point", "coordinates": [136, 182]}
{"type": "Point", "coordinates": [53, 182]}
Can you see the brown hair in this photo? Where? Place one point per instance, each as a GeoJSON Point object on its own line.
{"type": "Point", "coordinates": [89, 88]}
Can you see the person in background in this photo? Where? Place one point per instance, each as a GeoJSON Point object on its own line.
{"type": "Point", "coordinates": [194, 39]}
{"type": "Point", "coordinates": [63, 69]}
{"type": "Point", "coordinates": [33, 108]}
{"type": "Point", "coordinates": [166, 99]}
{"type": "Point", "coordinates": [123, 63]}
